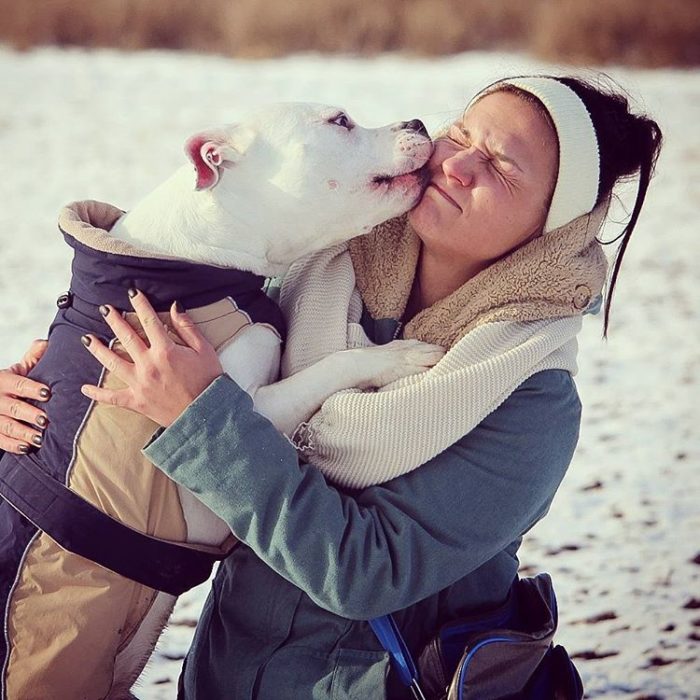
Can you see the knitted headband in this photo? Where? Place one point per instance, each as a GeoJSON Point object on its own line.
{"type": "Point", "coordinates": [576, 188]}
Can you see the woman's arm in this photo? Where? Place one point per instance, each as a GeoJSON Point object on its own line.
{"type": "Point", "coordinates": [358, 555]}
{"type": "Point", "coordinates": [388, 546]}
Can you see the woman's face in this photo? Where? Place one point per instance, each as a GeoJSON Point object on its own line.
{"type": "Point", "coordinates": [491, 178]}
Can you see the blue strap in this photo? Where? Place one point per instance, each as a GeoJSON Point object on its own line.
{"type": "Point", "coordinates": [390, 637]}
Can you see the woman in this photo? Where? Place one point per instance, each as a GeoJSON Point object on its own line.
{"type": "Point", "coordinates": [519, 187]}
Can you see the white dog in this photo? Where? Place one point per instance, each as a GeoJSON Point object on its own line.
{"type": "Point", "coordinates": [289, 180]}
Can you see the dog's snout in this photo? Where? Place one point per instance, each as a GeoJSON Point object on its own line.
{"type": "Point", "coordinates": [415, 125]}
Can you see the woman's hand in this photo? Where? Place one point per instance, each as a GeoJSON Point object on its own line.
{"type": "Point", "coordinates": [164, 377]}
{"type": "Point", "coordinates": [17, 417]}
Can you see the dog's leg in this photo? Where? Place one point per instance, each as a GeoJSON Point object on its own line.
{"type": "Point", "coordinates": [132, 659]}
{"type": "Point", "coordinates": [294, 399]}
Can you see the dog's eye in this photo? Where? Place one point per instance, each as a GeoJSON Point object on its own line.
{"type": "Point", "coordinates": [341, 120]}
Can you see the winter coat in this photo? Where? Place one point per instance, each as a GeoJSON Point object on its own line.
{"type": "Point", "coordinates": [286, 616]}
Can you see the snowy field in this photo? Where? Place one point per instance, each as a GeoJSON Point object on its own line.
{"type": "Point", "coordinates": [622, 538]}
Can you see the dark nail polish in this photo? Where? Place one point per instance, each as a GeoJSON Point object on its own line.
{"type": "Point", "coordinates": [104, 310]}
{"type": "Point", "coordinates": [44, 393]}
{"type": "Point", "coordinates": [24, 449]}
{"type": "Point", "coordinates": [36, 439]}
{"type": "Point", "coordinates": [179, 308]}
{"type": "Point", "coordinates": [132, 292]}
{"type": "Point", "coordinates": [85, 340]}
{"type": "Point", "coordinates": [42, 421]}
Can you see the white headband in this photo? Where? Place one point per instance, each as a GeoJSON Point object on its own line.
{"type": "Point", "coordinates": [576, 188]}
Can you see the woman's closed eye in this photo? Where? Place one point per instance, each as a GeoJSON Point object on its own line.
{"type": "Point", "coordinates": [499, 167]}
{"type": "Point", "coordinates": [496, 159]}
{"type": "Point", "coordinates": [461, 139]}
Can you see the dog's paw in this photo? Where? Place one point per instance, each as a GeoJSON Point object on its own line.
{"type": "Point", "coordinates": [383, 364]}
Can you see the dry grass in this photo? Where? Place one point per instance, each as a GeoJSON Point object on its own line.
{"type": "Point", "coordinates": [633, 32]}
{"type": "Point", "coordinates": [638, 32]}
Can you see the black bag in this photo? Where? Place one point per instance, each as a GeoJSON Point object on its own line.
{"type": "Point", "coordinates": [504, 653]}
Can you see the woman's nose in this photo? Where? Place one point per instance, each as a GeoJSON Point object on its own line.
{"type": "Point", "coordinates": [459, 166]}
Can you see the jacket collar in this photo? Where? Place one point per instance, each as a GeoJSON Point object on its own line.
{"type": "Point", "coordinates": [104, 268]}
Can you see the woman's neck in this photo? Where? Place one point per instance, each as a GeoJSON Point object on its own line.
{"type": "Point", "coordinates": [436, 278]}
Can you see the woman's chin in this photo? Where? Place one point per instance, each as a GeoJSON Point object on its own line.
{"type": "Point", "coordinates": [414, 217]}
{"type": "Point", "coordinates": [424, 214]}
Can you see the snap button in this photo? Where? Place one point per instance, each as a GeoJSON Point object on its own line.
{"type": "Point", "coordinates": [65, 300]}
{"type": "Point", "coordinates": [582, 296]}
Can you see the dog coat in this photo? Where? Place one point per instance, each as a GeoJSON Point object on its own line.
{"type": "Point", "coordinates": [88, 495]}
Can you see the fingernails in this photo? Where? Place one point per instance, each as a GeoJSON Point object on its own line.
{"type": "Point", "coordinates": [36, 439]}
{"type": "Point", "coordinates": [24, 449]}
{"type": "Point", "coordinates": [132, 292]}
{"type": "Point", "coordinates": [104, 310]}
{"type": "Point", "coordinates": [85, 340]}
{"type": "Point", "coordinates": [42, 421]}
{"type": "Point", "coordinates": [179, 308]}
{"type": "Point", "coordinates": [44, 393]}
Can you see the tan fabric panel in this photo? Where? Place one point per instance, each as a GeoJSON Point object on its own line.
{"type": "Point", "coordinates": [56, 652]}
{"type": "Point", "coordinates": [69, 616]}
{"type": "Point", "coordinates": [219, 322]}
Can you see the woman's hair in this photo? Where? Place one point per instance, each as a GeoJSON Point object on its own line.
{"type": "Point", "coordinates": [629, 144]}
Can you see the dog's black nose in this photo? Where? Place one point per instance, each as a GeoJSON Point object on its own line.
{"type": "Point", "coordinates": [415, 125]}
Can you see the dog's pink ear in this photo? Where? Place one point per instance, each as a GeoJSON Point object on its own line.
{"type": "Point", "coordinates": [210, 151]}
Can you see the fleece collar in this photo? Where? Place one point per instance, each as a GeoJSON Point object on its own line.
{"type": "Point", "coordinates": [104, 268]}
{"type": "Point", "coordinates": [553, 276]}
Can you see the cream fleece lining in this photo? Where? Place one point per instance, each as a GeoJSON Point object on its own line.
{"type": "Point", "coordinates": [90, 222]}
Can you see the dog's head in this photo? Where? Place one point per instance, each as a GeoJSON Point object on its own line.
{"type": "Point", "coordinates": [293, 178]}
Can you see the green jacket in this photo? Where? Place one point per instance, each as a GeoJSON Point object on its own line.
{"type": "Point", "coordinates": [286, 617]}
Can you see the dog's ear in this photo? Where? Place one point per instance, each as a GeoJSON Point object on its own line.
{"type": "Point", "coordinates": [210, 151]}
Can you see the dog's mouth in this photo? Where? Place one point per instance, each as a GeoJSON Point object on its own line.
{"type": "Point", "coordinates": [418, 177]}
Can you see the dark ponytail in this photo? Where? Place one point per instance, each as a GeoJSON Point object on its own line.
{"type": "Point", "coordinates": [629, 144]}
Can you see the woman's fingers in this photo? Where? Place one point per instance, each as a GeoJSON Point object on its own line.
{"type": "Point", "coordinates": [15, 435]}
{"type": "Point", "coordinates": [186, 328]}
{"type": "Point", "coordinates": [12, 430]}
{"type": "Point", "coordinates": [14, 383]}
{"type": "Point", "coordinates": [15, 409]}
{"type": "Point", "coordinates": [124, 333]}
{"type": "Point", "coordinates": [18, 447]}
{"type": "Point", "coordinates": [122, 397]}
{"type": "Point", "coordinates": [108, 358]}
{"type": "Point", "coordinates": [153, 327]}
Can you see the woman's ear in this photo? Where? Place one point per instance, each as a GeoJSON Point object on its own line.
{"type": "Point", "coordinates": [210, 151]}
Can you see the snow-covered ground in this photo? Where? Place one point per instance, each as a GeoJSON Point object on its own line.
{"type": "Point", "coordinates": [622, 538]}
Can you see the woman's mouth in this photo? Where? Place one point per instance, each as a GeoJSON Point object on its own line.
{"type": "Point", "coordinates": [444, 194]}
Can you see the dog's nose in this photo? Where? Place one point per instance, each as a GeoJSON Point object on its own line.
{"type": "Point", "coordinates": [415, 125]}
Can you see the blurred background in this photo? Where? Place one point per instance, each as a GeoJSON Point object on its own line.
{"type": "Point", "coordinates": [631, 32]}
{"type": "Point", "coordinates": [97, 99]}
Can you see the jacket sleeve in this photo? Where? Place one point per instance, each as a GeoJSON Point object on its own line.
{"type": "Point", "coordinates": [371, 552]}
